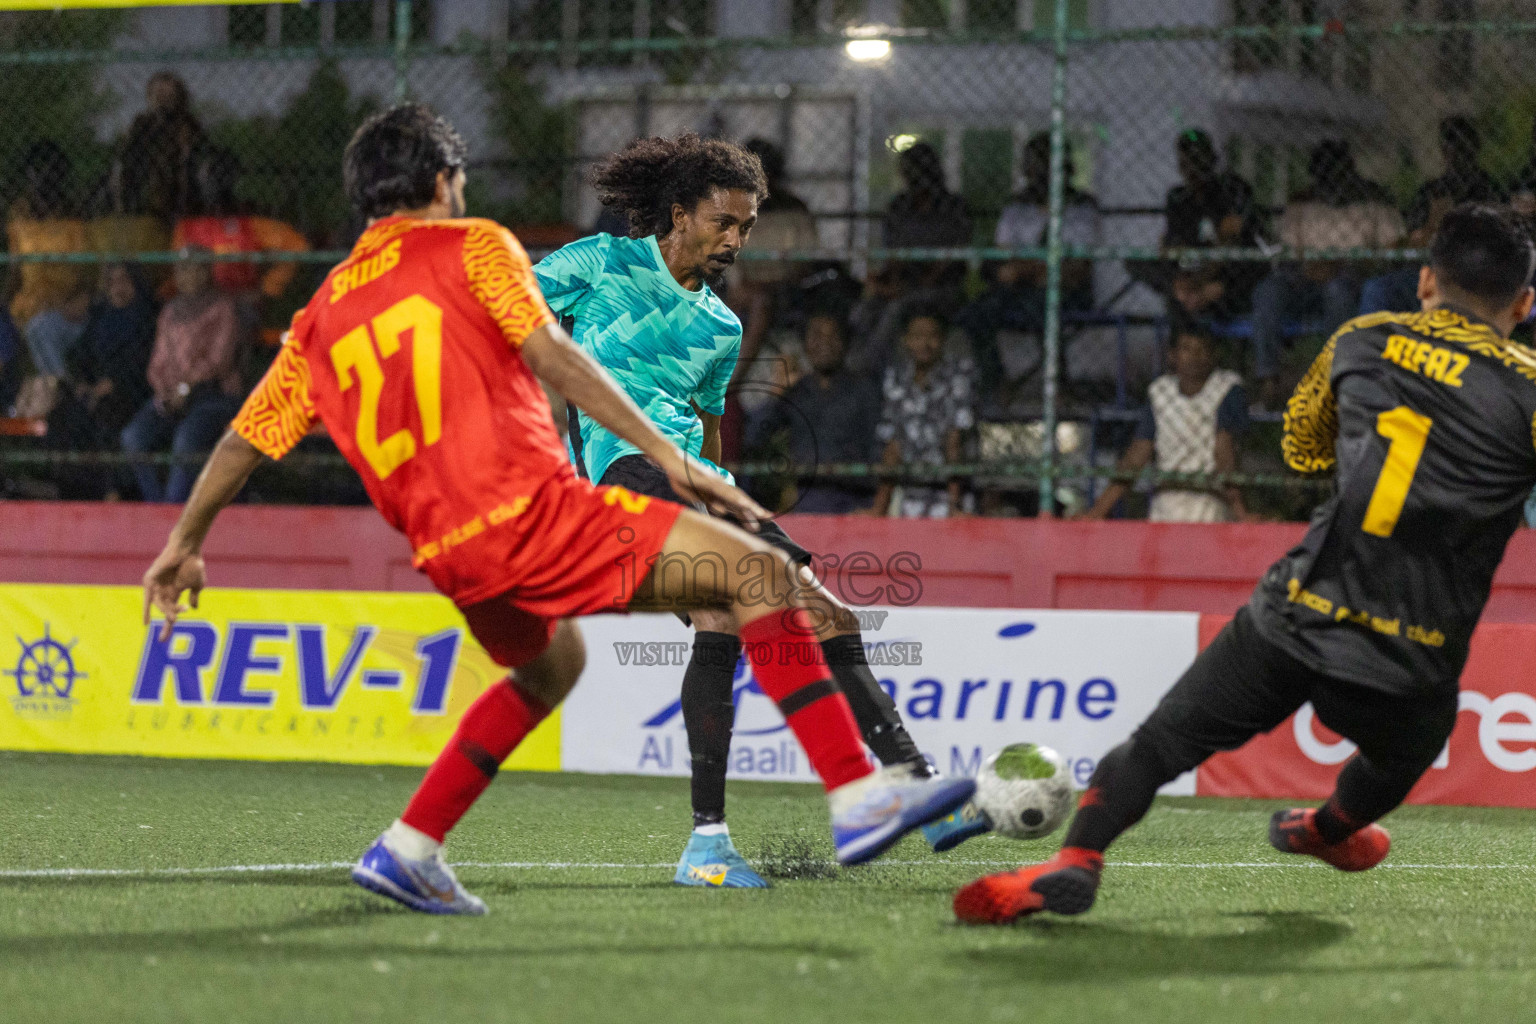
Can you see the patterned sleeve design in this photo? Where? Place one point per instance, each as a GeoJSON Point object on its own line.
{"type": "Point", "coordinates": [710, 394]}
{"type": "Point", "coordinates": [568, 275]}
{"type": "Point", "coordinates": [1312, 417]}
{"type": "Point", "coordinates": [280, 411]}
{"type": "Point", "coordinates": [502, 281]}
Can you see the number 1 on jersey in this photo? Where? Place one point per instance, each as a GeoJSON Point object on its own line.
{"type": "Point", "coordinates": [354, 353]}
{"type": "Point", "coordinates": [1408, 431]}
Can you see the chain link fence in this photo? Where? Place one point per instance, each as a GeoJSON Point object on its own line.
{"type": "Point", "coordinates": [1256, 169]}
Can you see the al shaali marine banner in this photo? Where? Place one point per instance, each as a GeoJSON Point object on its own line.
{"type": "Point", "coordinates": [252, 674]}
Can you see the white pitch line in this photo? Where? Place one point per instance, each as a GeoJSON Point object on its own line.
{"type": "Point", "coordinates": [179, 872]}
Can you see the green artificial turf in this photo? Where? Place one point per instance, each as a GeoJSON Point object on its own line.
{"type": "Point", "coordinates": [1179, 933]}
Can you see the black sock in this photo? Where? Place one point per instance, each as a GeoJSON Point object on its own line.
{"type": "Point", "coordinates": [1364, 792]}
{"type": "Point", "coordinates": [873, 708]}
{"type": "Point", "coordinates": [709, 714]}
{"type": "Point", "coordinates": [1117, 796]}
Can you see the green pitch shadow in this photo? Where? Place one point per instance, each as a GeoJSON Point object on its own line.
{"type": "Point", "coordinates": [1276, 942]}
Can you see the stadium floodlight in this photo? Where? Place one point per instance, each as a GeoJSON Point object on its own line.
{"type": "Point", "coordinates": [866, 50]}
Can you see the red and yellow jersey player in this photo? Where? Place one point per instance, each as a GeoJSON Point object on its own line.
{"type": "Point", "coordinates": [423, 354]}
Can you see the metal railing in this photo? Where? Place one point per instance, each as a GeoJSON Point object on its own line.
{"type": "Point", "coordinates": [563, 86]}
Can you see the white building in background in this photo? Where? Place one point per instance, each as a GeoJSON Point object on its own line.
{"type": "Point", "coordinates": [1126, 100]}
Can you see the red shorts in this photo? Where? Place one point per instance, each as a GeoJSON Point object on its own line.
{"type": "Point", "coordinates": [589, 548]}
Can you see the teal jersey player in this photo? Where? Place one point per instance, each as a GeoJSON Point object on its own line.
{"type": "Point", "coordinates": [668, 347]}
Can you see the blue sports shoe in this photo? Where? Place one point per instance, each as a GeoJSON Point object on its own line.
{"type": "Point", "coordinates": [871, 814]}
{"type": "Point", "coordinates": [712, 862]}
{"type": "Point", "coordinates": [426, 885]}
{"type": "Point", "coordinates": [949, 832]}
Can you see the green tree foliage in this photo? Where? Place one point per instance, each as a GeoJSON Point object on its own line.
{"type": "Point", "coordinates": [292, 162]}
{"type": "Point", "coordinates": [533, 142]}
{"type": "Point", "coordinates": [57, 100]}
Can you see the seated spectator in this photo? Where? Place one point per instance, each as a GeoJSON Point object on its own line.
{"type": "Point", "coordinates": [784, 224]}
{"type": "Point", "coordinates": [760, 291]}
{"type": "Point", "coordinates": [1017, 300]}
{"type": "Point", "coordinates": [41, 220]}
{"type": "Point", "coordinates": [828, 416]}
{"type": "Point", "coordinates": [108, 368]}
{"type": "Point", "coordinates": [1193, 422]}
{"type": "Point", "coordinates": [1210, 207]}
{"type": "Point", "coordinates": [926, 215]}
{"type": "Point", "coordinates": [193, 377]}
{"type": "Point", "coordinates": [926, 411]}
{"type": "Point", "coordinates": [223, 226]}
{"type": "Point", "coordinates": [52, 334]}
{"type": "Point", "coordinates": [1462, 182]}
{"type": "Point", "coordinates": [1341, 210]}
{"type": "Point", "coordinates": [874, 323]}
{"type": "Point", "coordinates": [156, 170]}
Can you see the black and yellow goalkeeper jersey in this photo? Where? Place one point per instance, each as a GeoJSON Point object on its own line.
{"type": "Point", "coordinates": [1430, 420]}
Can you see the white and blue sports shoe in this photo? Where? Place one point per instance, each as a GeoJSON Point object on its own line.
{"type": "Point", "coordinates": [872, 813]}
{"type": "Point", "coordinates": [711, 861]}
{"type": "Point", "coordinates": [427, 885]}
{"type": "Point", "coordinates": [950, 831]}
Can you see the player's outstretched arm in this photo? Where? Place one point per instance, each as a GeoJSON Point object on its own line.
{"type": "Point", "coordinates": [560, 363]}
{"type": "Point", "coordinates": [179, 567]}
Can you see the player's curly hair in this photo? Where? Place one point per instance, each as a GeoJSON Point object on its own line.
{"type": "Point", "coordinates": [393, 160]}
{"type": "Point", "coordinates": [645, 178]}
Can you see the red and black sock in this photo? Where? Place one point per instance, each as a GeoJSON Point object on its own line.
{"type": "Point", "coordinates": [788, 665]}
{"type": "Point", "coordinates": [1365, 791]}
{"type": "Point", "coordinates": [1118, 796]}
{"type": "Point", "coordinates": [491, 729]}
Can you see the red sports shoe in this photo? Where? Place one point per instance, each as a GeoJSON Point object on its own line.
{"type": "Point", "coordinates": [1065, 884]}
{"type": "Point", "coordinates": [1295, 831]}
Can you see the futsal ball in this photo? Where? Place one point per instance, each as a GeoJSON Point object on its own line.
{"type": "Point", "coordinates": [1026, 791]}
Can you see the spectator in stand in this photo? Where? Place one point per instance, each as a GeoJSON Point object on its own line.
{"type": "Point", "coordinates": [1341, 210]}
{"type": "Point", "coordinates": [760, 292]}
{"type": "Point", "coordinates": [784, 223]}
{"type": "Point", "coordinates": [926, 411]}
{"type": "Point", "coordinates": [827, 416]}
{"type": "Point", "coordinates": [156, 171]}
{"type": "Point", "coordinates": [193, 376]}
{"type": "Point", "coordinates": [104, 383]}
{"type": "Point", "coordinates": [874, 323]}
{"type": "Point", "coordinates": [1193, 423]}
{"type": "Point", "coordinates": [109, 367]}
{"type": "Point", "coordinates": [926, 215]}
{"type": "Point", "coordinates": [52, 334]}
{"type": "Point", "coordinates": [223, 226]}
{"type": "Point", "coordinates": [1210, 207]}
{"type": "Point", "coordinates": [50, 303]}
{"type": "Point", "coordinates": [1017, 300]}
{"type": "Point", "coordinates": [1463, 181]}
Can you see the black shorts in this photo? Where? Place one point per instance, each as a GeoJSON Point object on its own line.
{"type": "Point", "coordinates": [1243, 685]}
{"type": "Point", "coordinates": [642, 476]}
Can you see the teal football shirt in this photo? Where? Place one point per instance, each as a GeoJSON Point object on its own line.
{"type": "Point", "coordinates": [669, 348]}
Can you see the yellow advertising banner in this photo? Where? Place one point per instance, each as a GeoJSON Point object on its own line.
{"type": "Point", "coordinates": [281, 675]}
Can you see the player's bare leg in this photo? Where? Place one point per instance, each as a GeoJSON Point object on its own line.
{"type": "Point", "coordinates": [406, 863]}
{"type": "Point", "coordinates": [710, 564]}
